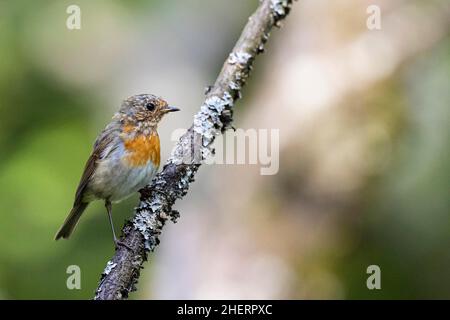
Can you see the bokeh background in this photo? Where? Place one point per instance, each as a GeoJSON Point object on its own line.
{"type": "Point", "coordinates": [364, 148]}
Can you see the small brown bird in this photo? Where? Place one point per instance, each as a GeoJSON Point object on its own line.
{"type": "Point", "coordinates": [125, 158]}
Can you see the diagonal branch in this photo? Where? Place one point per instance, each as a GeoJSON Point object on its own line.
{"type": "Point", "coordinates": [140, 235]}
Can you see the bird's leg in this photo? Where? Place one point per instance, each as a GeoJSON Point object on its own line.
{"type": "Point", "coordinates": [116, 241]}
{"type": "Point", "coordinates": [108, 210]}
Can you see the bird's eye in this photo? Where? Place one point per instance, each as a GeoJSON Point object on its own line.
{"type": "Point", "coordinates": [150, 106]}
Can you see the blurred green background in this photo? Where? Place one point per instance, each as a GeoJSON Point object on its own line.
{"type": "Point", "coordinates": [364, 137]}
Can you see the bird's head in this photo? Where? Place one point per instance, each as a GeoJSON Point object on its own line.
{"type": "Point", "coordinates": [144, 109]}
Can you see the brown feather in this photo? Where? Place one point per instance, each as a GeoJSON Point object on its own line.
{"type": "Point", "coordinates": [103, 141]}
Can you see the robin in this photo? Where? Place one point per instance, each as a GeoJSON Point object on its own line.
{"type": "Point", "coordinates": [124, 159]}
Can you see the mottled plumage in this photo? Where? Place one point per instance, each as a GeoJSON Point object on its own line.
{"type": "Point", "coordinates": [125, 157]}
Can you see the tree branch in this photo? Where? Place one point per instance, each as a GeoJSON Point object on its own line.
{"type": "Point", "coordinates": [141, 234]}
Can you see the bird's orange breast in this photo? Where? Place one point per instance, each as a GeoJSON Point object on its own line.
{"type": "Point", "coordinates": [142, 149]}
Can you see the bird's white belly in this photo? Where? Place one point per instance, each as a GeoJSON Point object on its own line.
{"type": "Point", "coordinates": [116, 180]}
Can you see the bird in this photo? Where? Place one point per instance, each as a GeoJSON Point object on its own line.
{"type": "Point", "coordinates": [124, 159]}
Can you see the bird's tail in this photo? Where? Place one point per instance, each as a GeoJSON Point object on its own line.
{"type": "Point", "coordinates": [71, 220]}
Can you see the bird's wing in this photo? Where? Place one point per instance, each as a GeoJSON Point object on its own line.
{"type": "Point", "coordinates": [102, 147]}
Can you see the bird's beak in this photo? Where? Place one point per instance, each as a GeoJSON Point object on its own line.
{"type": "Point", "coordinates": [171, 109]}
